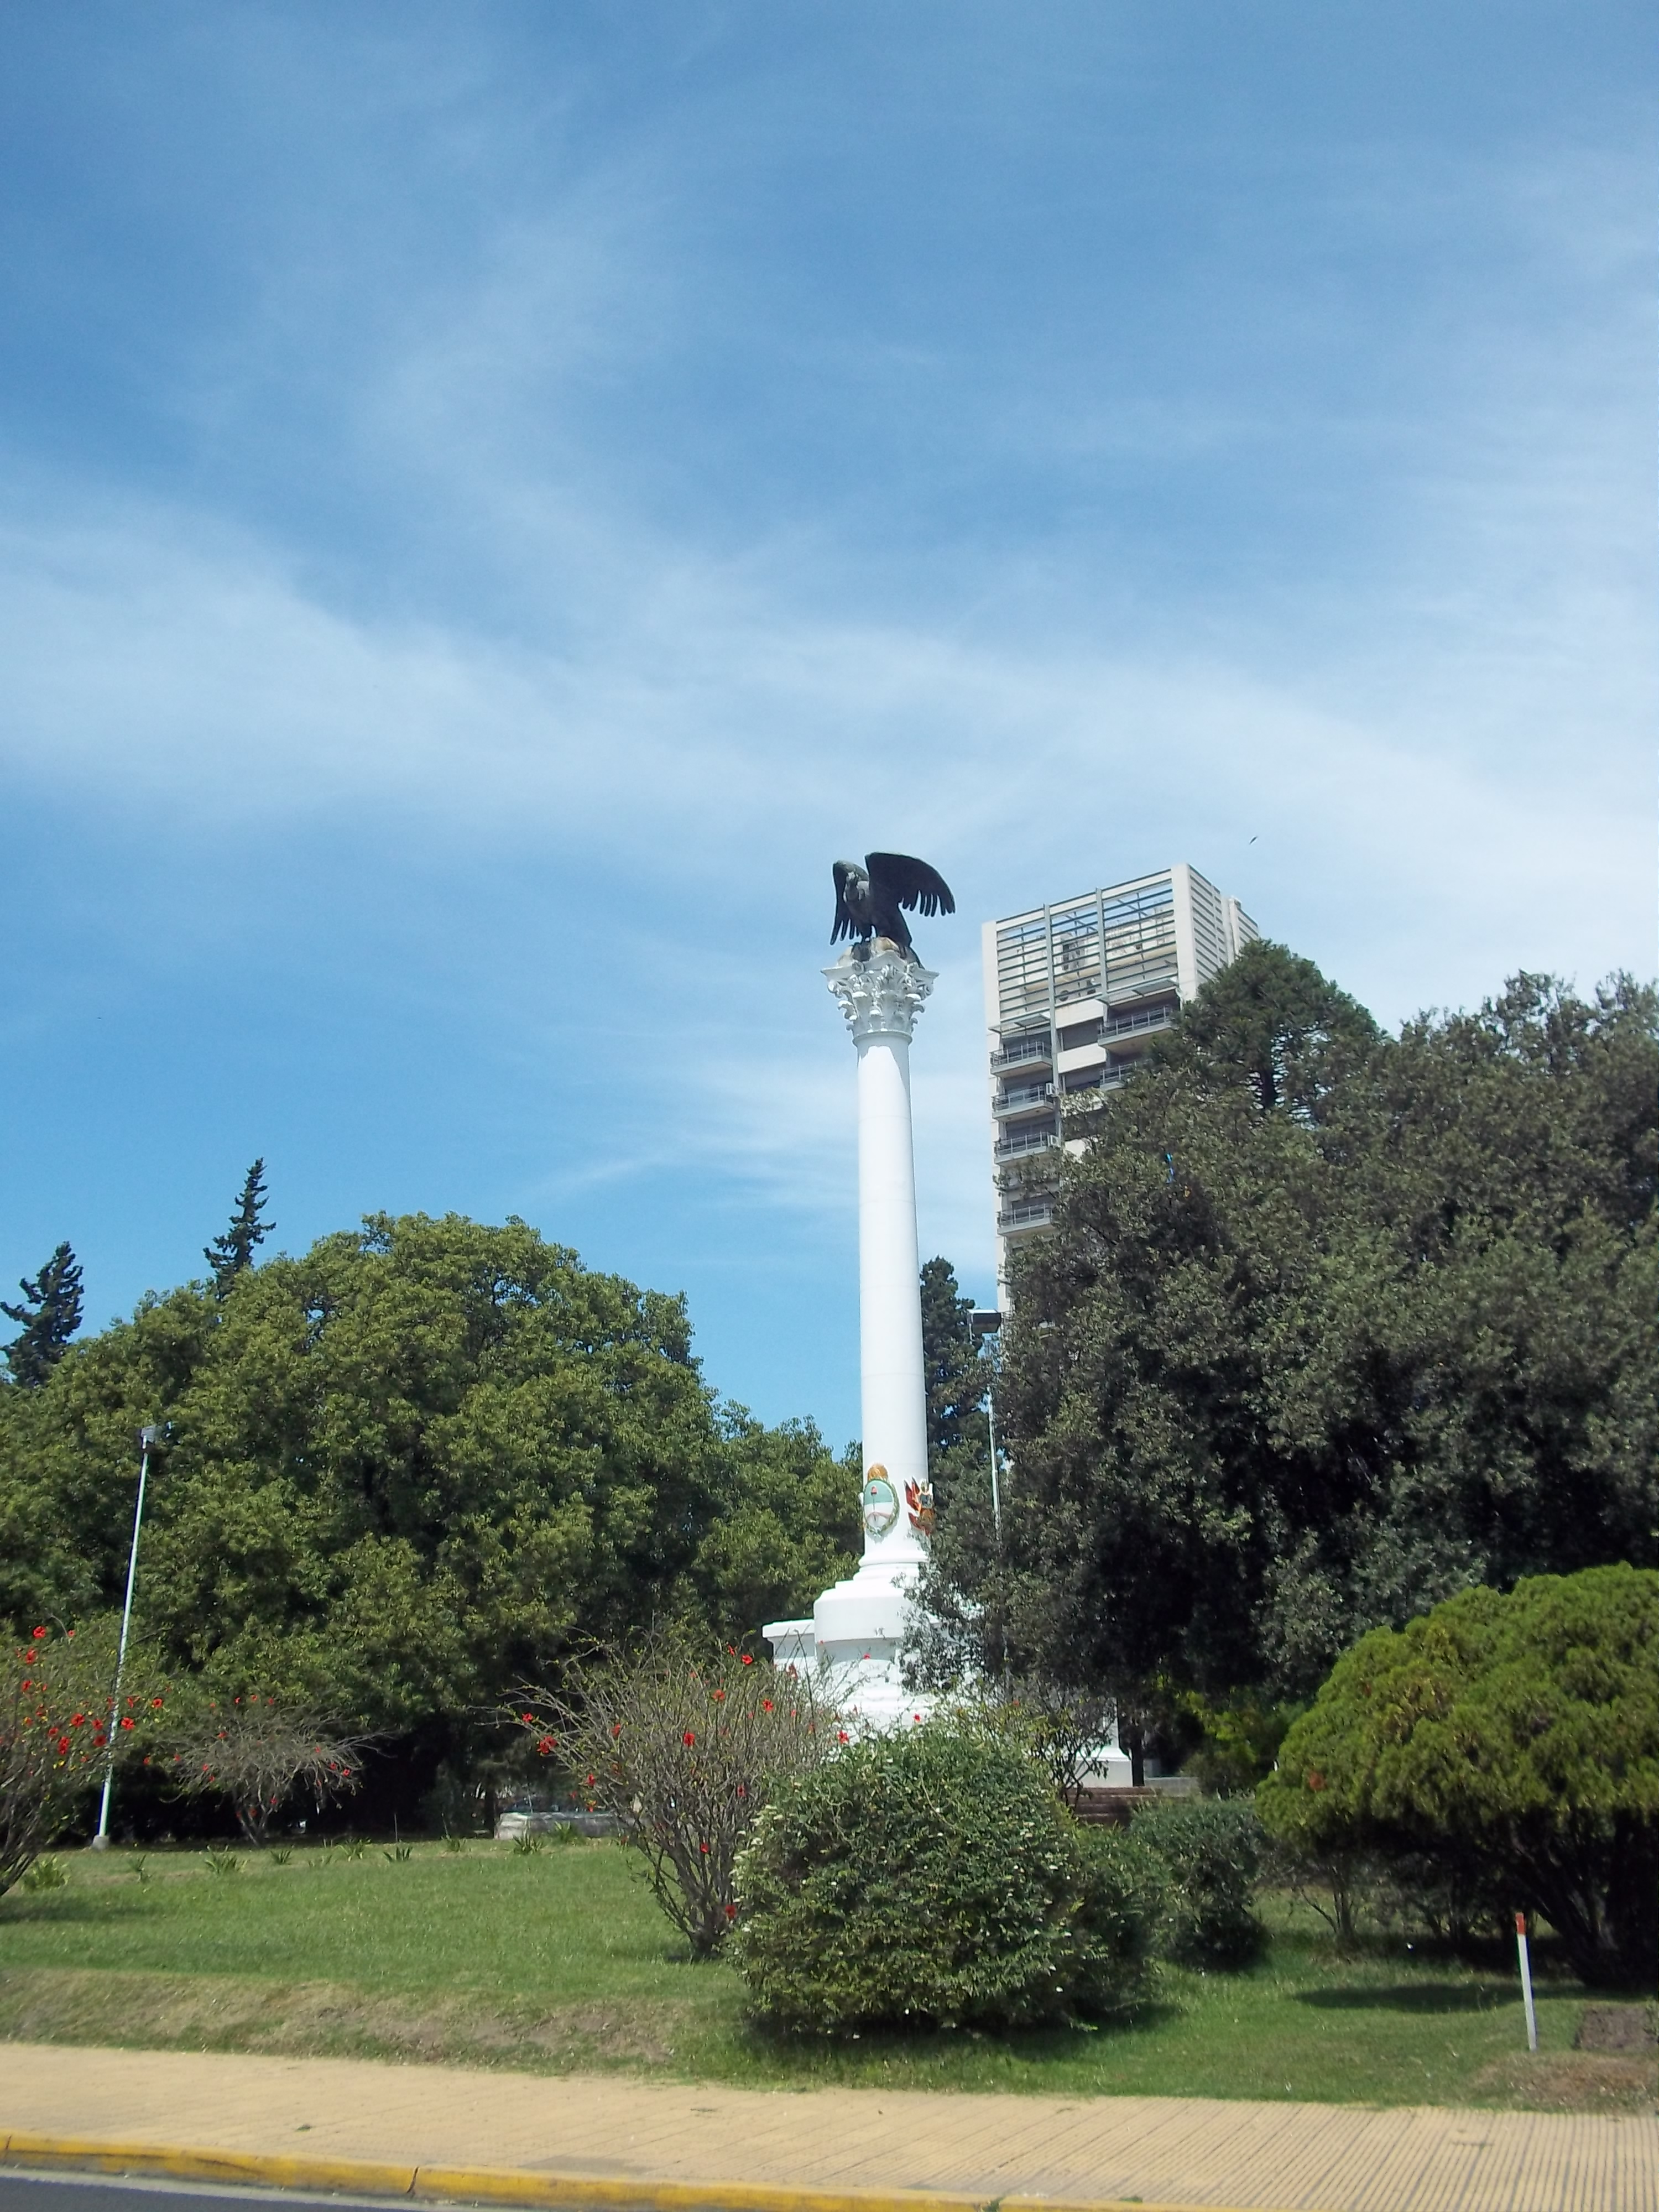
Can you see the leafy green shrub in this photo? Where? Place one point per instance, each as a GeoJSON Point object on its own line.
{"type": "Point", "coordinates": [1513, 1737]}
{"type": "Point", "coordinates": [933, 1879]}
{"type": "Point", "coordinates": [45, 1873]}
{"type": "Point", "coordinates": [1210, 1853]}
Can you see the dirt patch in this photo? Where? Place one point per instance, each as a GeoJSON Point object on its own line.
{"type": "Point", "coordinates": [1571, 2082]}
{"type": "Point", "coordinates": [330, 2020]}
{"type": "Point", "coordinates": [1616, 2027]}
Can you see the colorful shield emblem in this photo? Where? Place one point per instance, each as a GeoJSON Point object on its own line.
{"type": "Point", "coordinates": [880, 1501]}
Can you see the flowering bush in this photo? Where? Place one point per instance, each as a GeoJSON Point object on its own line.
{"type": "Point", "coordinates": [257, 1750]}
{"type": "Point", "coordinates": [933, 1879]}
{"type": "Point", "coordinates": [686, 1746]}
{"type": "Point", "coordinates": [59, 1727]}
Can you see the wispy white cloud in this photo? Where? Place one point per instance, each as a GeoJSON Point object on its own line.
{"type": "Point", "coordinates": [624, 524]}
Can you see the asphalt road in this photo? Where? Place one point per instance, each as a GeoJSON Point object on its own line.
{"type": "Point", "coordinates": [87, 2192]}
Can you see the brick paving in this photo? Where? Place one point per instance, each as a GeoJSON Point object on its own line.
{"type": "Point", "coordinates": [1198, 2151]}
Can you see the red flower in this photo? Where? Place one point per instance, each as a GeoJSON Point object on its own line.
{"type": "Point", "coordinates": [720, 1696]}
{"type": "Point", "coordinates": [841, 1736]}
{"type": "Point", "coordinates": [1313, 1778]}
{"type": "Point", "coordinates": [689, 1738]}
{"type": "Point", "coordinates": [545, 1745]}
{"type": "Point", "coordinates": [38, 1633]}
{"type": "Point", "coordinates": [592, 1779]}
{"type": "Point", "coordinates": [529, 1719]}
{"type": "Point", "coordinates": [766, 1705]}
{"type": "Point", "coordinates": [748, 1658]}
{"type": "Point", "coordinates": [730, 1911]}
{"type": "Point", "coordinates": [156, 1705]}
{"type": "Point", "coordinates": [63, 1743]}
{"type": "Point", "coordinates": [703, 1847]}
{"type": "Point", "coordinates": [616, 1728]}
{"type": "Point", "coordinates": [125, 1722]}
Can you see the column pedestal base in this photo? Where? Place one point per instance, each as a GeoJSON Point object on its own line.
{"type": "Point", "coordinates": [856, 1633]}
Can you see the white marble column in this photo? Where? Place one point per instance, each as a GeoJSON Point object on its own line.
{"type": "Point", "coordinates": [858, 1628]}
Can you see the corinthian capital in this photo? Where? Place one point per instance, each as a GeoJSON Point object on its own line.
{"type": "Point", "coordinates": [882, 994]}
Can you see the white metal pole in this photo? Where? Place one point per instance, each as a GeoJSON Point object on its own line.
{"type": "Point", "coordinates": [100, 1841]}
{"type": "Point", "coordinates": [1526, 1980]}
{"type": "Point", "coordinates": [996, 1492]}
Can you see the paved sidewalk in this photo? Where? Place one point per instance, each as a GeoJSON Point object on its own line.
{"type": "Point", "coordinates": [1336, 2157]}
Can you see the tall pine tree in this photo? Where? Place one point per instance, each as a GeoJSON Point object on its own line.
{"type": "Point", "coordinates": [49, 1316]}
{"type": "Point", "coordinates": [227, 1256]}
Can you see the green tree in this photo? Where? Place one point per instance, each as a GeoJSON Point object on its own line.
{"type": "Point", "coordinates": [49, 1316]}
{"type": "Point", "coordinates": [227, 1256]}
{"type": "Point", "coordinates": [784, 1527]}
{"type": "Point", "coordinates": [1513, 1735]}
{"type": "Point", "coordinates": [1332, 1325]}
{"type": "Point", "coordinates": [956, 1376]}
{"type": "Point", "coordinates": [419, 1463]}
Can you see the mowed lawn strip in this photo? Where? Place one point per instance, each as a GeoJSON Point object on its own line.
{"type": "Point", "coordinates": [562, 1960]}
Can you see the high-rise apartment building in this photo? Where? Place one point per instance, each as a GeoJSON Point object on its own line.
{"type": "Point", "coordinates": [1074, 992]}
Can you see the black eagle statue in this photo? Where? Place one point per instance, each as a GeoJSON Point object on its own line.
{"type": "Point", "coordinates": [870, 900]}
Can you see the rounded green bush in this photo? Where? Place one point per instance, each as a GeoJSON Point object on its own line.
{"type": "Point", "coordinates": [1210, 1854]}
{"type": "Point", "coordinates": [933, 1879]}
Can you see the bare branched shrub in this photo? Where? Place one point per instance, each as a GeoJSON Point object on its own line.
{"type": "Point", "coordinates": [256, 1751]}
{"type": "Point", "coordinates": [685, 1745]}
{"type": "Point", "coordinates": [1065, 1731]}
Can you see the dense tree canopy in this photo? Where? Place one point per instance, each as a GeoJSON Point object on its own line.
{"type": "Point", "coordinates": [1332, 1325]}
{"type": "Point", "coordinates": [406, 1470]}
{"type": "Point", "coordinates": [1516, 1736]}
{"type": "Point", "coordinates": [956, 1375]}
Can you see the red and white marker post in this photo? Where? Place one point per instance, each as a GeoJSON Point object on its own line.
{"type": "Point", "coordinates": [1526, 1980]}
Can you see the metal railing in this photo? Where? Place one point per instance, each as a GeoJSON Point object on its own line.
{"type": "Point", "coordinates": [1026, 1140]}
{"type": "Point", "coordinates": [1033, 1094]}
{"type": "Point", "coordinates": [1150, 1018]}
{"type": "Point", "coordinates": [1023, 1050]}
{"type": "Point", "coordinates": [1027, 1213]}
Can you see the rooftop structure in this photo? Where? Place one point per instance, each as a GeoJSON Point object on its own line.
{"type": "Point", "coordinates": [1074, 994]}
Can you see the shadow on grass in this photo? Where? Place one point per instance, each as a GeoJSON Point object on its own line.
{"type": "Point", "coordinates": [73, 1906]}
{"type": "Point", "coordinates": [923, 2049]}
{"type": "Point", "coordinates": [1419, 1998]}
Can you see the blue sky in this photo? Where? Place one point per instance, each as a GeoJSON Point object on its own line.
{"type": "Point", "coordinates": [493, 499]}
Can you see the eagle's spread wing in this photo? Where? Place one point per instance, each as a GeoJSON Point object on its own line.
{"type": "Point", "coordinates": [844, 924]}
{"type": "Point", "coordinates": [912, 882]}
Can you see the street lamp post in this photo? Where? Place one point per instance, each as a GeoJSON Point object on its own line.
{"type": "Point", "coordinates": [987, 1322]}
{"type": "Point", "coordinates": [146, 1440]}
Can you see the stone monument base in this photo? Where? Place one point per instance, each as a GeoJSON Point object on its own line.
{"type": "Point", "coordinates": [856, 1636]}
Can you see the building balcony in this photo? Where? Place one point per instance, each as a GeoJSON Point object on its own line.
{"type": "Point", "coordinates": [1018, 1142]}
{"type": "Point", "coordinates": [1025, 1215]}
{"type": "Point", "coordinates": [1024, 1052]}
{"type": "Point", "coordinates": [1146, 1018]}
{"type": "Point", "coordinates": [1022, 1100]}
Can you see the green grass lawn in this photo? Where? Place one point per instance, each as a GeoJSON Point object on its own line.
{"type": "Point", "coordinates": [563, 1960]}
